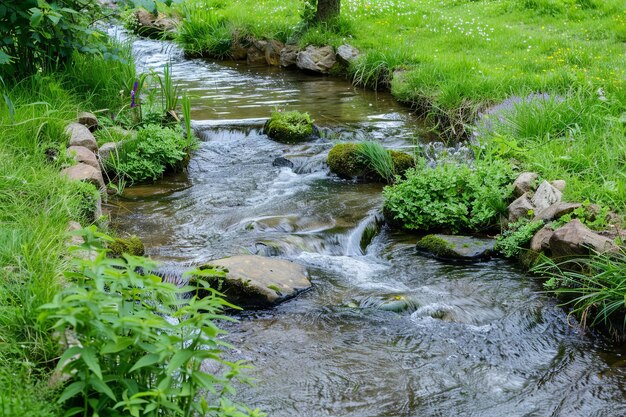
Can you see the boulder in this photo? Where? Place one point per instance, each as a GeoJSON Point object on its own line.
{"type": "Point", "coordinates": [257, 281]}
{"type": "Point", "coordinates": [282, 162]}
{"type": "Point", "coordinates": [576, 239]}
{"type": "Point", "coordinates": [545, 196]}
{"type": "Point", "coordinates": [256, 53]}
{"type": "Point", "coordinates": [556, 211]}
{"type": "Point", "coordinates": [289, 55]}
{"type": "Point", "coordinates": [541, 241]}
{"type": "Point", "coordinates": [84, 155]}
{"type": "Point", "coordinates": [89, 120]}
{"type": "Point", "coordinates": [316, 59]}
{"type": "Point", "coordinates": [84, 172]}
{"type": "Point", "coordinates": [459, 248]}
{"type": "Point", "coordinates": [238, 51]}
{"type": "Point", "coordinates": [81, 136]}
{"type": "Point", "coordinates": [347, 53]}
{"type": "Point", "coordinates": [559, 184]}
{"type": "Point", "coordinates": [272, 52]}
{"type": "Point", "coordinates": [104, 153]}
{"type": "Point", "coordinates": [151, 25]}
{"type": "Point", "coordinates": [524, 183]}
{"type": "Point", "coordinates": [520, 208]}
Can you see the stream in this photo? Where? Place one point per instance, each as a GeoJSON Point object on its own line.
{"type": "Point", "coordinates": [480, 340]}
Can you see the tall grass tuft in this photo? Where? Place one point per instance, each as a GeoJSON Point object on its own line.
{"type": "Point", "coordinates": [594, 287]}
{"type": "Point", "coordinates": [375, 156]}
{"type": "Point", "coordinates": [205, 33]}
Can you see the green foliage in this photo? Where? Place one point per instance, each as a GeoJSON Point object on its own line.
{"type": "Point", "coordinates": [374, 156]}
{"type": "Point", "coordinates": [289, 126]}
{"type": "Point", "coordinates": [85, 199]}
{"type": "Point", "coordinates": [169, 90]}
{"type": "Point", "coordinates": [203, 33]}
{"type": "Point", "coordinates": [134, 346]}
{"type": "Point", "coordinates": [186, 104]}
{"type": "Point", "coordinates": [450, 196]}
{"type": "Point", "coordinates": [155, 150]}
{"type": "Point", "coordinates": [592, 216]}
{"type": "Point", "coordinates": [514, 239]}
{"type": "Point", "coordinates": [595, 291]}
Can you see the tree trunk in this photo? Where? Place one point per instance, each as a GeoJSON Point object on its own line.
{"type": "Point", "coordinates": [327, 9]}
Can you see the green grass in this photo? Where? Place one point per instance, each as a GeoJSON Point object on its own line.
{"type": "Point", "coordinates": [35, 208]}
{"type": "Point", "coordinates": [375, 156]}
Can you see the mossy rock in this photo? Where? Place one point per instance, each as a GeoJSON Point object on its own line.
{"type": "Point", "coordinates": [289, 126]}
{"type": "Point", "coordinates": [402, 161]}
{"type": "Point", "coordinates": [457, 248]}
{"type": "Point", "coordinates": [343, 160]}
{"type": "Point", "coordinates": [131, 245]}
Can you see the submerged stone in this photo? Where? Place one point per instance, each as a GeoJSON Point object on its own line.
{"type": "Point", "coordinates": [256, 281]}
{"type": "Point", "coordinates": [461, 248]}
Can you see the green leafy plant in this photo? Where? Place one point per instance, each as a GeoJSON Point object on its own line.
{"type": "Point", "coordinates": [155, 150]}
{"type": "Point", "coordinates": [593, 216]}
{"type": "Point", "coordinates": [595, 290]}
{"type": "Point", "coordinates": [511, 242]}
{"type": "Point", "coordinates": [289, 126]}
{"type": "Point", "coordinates": [450, 196]}
{"type": "Point", "coordinates": [135, 346]}
{"type": "Point", "coordinates": [169, 90]}
{"type": "Point", "coordinates": [186, 104]}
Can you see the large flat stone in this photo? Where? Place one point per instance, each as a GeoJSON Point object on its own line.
{"type": "Point", "coordinates": [84, 155]}
{"type": "Point", "coordinates": [84, 172]}
{"type": "Point", "coordinates": [316, 59]}
{"type": "Point", "coordinates": [576, 239]}
{"type": "Point", "coordinates": [257, 281]}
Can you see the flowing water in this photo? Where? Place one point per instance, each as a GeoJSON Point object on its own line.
{"type": "Point", "coordinates": [477, 340]}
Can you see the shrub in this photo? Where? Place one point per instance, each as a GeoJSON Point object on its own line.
{"type": "Point", "coordinates": [450, 196]}
{"type": "Point", "coordinates": [133, 346]}
{"type": "Point", "coordinates": [289, 126]}
{"type": "Point", "coordinates": [155, 150]}
{"type": "Point", "coordinates": [511, 242]}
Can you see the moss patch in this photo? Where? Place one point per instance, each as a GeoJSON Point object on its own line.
{"type": "Point", "coordinates": [343, 160]}
{"type": "Point", "coordinates": [437, 246]}
{"type": "Point", "coordinates": [289, 126]}
{"type": "Point", "coordinates": [401, 162]}
{"type": "Point", "coordinates": [131, 245]}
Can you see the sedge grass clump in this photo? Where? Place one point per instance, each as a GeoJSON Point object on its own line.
{"type": "Point", "coordinates": [204, 33]}
{"type": "Point", "coordinates": [289, 126]}
{"type": "Point", "coordinates": [377, 158]}
{"type": "Point", "coordinates": [595, 289]}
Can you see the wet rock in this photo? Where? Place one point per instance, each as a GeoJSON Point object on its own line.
{"type": "Point", "coordinates": [520, 208]}
{"type": "Point", "coordinates": [81, 136]}
{"type": "Point", "coordinates": [151, 25]}
{"type": "Point", "coordinates": [272, 52]}
{"type": "Point", "coordinates": [89, 120]}
{"type": "Point", "coordinates": [238, 51]}
{"type": "Point", "coordinates": [316, 59]}
{"type": "Point", "coordinates": [104, 153]}
{"type": "Point", "coordinates": [347, 53]}
{"type": "Point", "coordinates": [256, 53]}
{"type": "Point", "coordinates": [464, 248]}
{"type": "Point", "coordinates": [162, 188]}
{"type": "Point", "coordinates": [288, 56]}
{"type": "Point", "coordinates": [343, 160]}
{"type": "Point", "coordinates": [541, 241]}
{"type": "Point", "coordinates": [575, 239]}
{"type": "Point", "coordinates": [282, 162]}
{"type": "Point", "coordinates": [84, 172]}
{"type": "Point", "coordinates": [84, 155]}
{"type": "Point", "coordinates": [256, 281]}
{"type": "Point", "coordinates": [545, 196]}
{"type": "Point", "coordinates": [524, 183]}
{"type": "Point", "coordinates": [559, 184]}
{"type": "Point", "coordinates": [556, 211]}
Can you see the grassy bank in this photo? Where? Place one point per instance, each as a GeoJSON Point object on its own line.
{"type": "Point", "coordinates": [35, 209]}
{"type": "Point", "coordinates": [451, 59]}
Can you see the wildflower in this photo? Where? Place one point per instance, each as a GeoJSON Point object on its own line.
{"type": "Point", "coordinates": [133, 93]}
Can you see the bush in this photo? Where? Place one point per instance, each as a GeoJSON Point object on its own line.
{"type": "Point", "coordinates": [450, 196]}
{"type": "Point", "coordinates": [155, 150]}
{"type": "Point", "coordinates": [289, 126]}
{"type": "Point", "coordinates": [511, 242]}
{"type": "Point", "coordinates": [134, 346]}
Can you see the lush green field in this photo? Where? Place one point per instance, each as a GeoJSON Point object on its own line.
{"type": "Point", "coordinates": [450, 59]}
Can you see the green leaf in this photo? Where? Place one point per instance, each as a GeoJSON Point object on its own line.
{"type": "Point", "coordinates": [180, 358]}
{"type": "Point", "coordinates": [145, 361]}
{"type": "Point", "coordinates": [36, 16]}
{"type": "Point", "coordinates": [71, 391]}
{"type": "Point", "coordinates": [73, 411]}
{"type": "Point", "coordinates": [89, 357]}
{"type": "Point", "coordinates": [54, 18]}
{"type": "Point", "coordinates": [118, 346]}
{"type": "Point", "coordinates": [100, 386]}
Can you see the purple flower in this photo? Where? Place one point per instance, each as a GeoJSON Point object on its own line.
{"type": "Point", "coordinates": [133, 93]}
